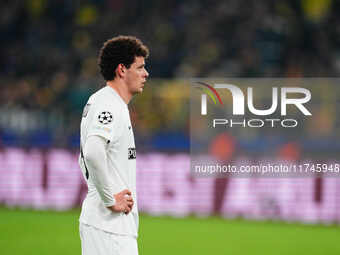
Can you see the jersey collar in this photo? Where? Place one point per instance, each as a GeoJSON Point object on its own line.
{"type": "Point", "coordinates": [115, 93]}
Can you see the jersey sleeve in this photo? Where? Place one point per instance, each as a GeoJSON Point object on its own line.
{"type": "Point", "coordinates": [105, 122]}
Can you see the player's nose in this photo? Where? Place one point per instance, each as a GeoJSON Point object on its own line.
{"type": "Point", "coordinates": [146, 74]}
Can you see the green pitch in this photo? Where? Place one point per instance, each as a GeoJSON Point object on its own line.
{"type": "Point", "coordinates": [31, 232]}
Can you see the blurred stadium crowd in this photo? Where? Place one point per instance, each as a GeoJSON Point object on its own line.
{"type": "Point", "coordinates": [49, 49]}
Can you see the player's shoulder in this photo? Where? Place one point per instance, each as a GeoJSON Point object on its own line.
{"type": "Point", "coordinates": [105, 98]}
{"type": "Point", "coordinates": [106, 103]}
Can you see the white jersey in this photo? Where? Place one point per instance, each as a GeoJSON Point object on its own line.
{"type": "Point", "coordinates": [107, 115]}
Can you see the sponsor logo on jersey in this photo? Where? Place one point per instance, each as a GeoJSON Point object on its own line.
{"type": "Point", "coordinates": [132, 153]}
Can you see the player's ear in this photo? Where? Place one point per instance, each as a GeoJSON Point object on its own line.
{"type": "Point", "coordinates": [120, 70]}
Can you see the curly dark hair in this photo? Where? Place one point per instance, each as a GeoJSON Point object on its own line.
{"type": "Point", "coordinates": [120, 50]}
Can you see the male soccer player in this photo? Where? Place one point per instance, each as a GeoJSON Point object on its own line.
{"type": "Point", "coordinates": [109, 216]}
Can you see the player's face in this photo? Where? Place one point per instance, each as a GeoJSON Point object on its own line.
{"type": "Point", "coordinates": [136, 76]}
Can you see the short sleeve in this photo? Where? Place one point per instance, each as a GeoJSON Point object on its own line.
{"type": "Point", "coordinates": [105, 122]}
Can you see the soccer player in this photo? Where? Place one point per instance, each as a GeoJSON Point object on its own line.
{"type": "Point", "coordinates": [109, 215]}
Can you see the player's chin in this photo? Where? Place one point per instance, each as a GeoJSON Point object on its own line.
{"type": "Point", "coordinates": [138, 91]}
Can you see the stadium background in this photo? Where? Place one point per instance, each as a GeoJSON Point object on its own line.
{"type": "Point", "coordinates": [48, 59]}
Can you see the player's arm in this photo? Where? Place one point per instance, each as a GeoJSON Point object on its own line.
{"type": "Point", "coordinates": [95, 158]}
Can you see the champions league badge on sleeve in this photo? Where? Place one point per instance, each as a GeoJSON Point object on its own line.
{"type": "Point", "coordinates": [105, 118]}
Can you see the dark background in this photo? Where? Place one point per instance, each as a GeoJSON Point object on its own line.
{"type": "Point", "coordinates": [49, 49]}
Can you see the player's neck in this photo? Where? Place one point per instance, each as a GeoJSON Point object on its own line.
{"type": "Point", "coordinates": [121, 89]}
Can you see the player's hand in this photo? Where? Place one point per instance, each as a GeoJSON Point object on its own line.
{"type": "Point", "coordinates": [124, 202]}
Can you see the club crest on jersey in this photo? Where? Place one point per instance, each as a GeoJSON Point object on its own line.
{"type": "Point", "coordinates": [132, 153]}
{"type": "Point", "coordinates": [105, 117]}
